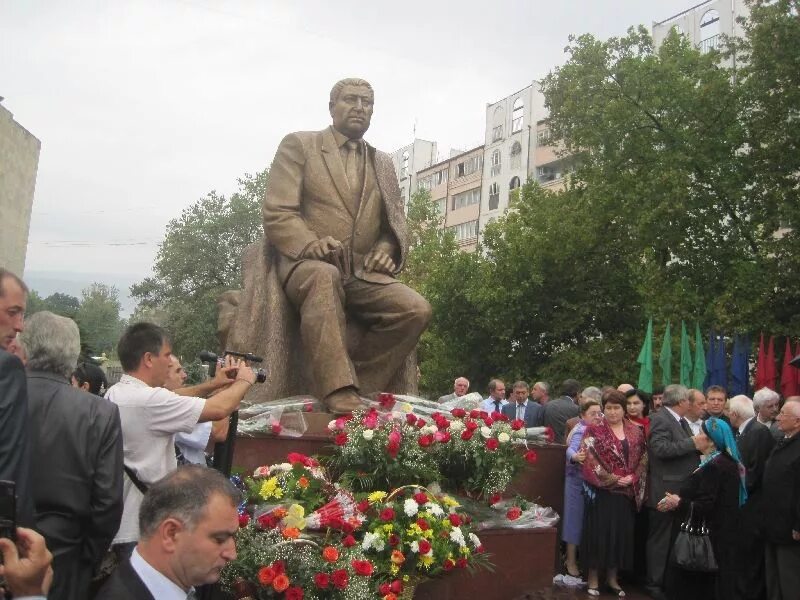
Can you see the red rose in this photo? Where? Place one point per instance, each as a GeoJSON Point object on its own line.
{"type": "Point", "coordinates": [340, 439]}
{"type": "Point", "coordinates": [294, 593]}
{"type": "Point", "coordinates": [467, 434]}
{"type": "Point", "coordinates": [514, 513]}
{"type": "Point", "coordinates": [384, 589]}
{"type": "Point", "coordinates": [322, 580]}
{"type": "Point", "coordinates": [386, 401]}
{"type": "Point", "coordinates": [362, 567]}
{"type": "Point", "coordinates": [455, 520]}
{"type": "Point", "coordinates": [295, 458]}
{"type": "Point", "coordinates": [488, 421]}
{"type": "Point", "coordinates": [394, 540]}
{"type": "Point", "coordinates": [495, 498]}
{"type": "Point", "coordinates": [492, 444]}
{"type": "Point", "coordinates": [349, 541]}
{"type": "Point", "coordinates": [424, 546]}
{"type": "Point", "coordinates": [266, 575]}
{"type": "Point", "coordinates": [363, 506]}
{"type": "Point", "coordinates": [474, 414]}
{"type": "Point", "coordinates": [387, 514]}
{"type": "Point", "coordinates": [244, 519]}
{"type": "Point", "coordinates": [267, 521]}
{"type": "Point", "coordinates": [480, 549]}
{"type": "Point", "coordinates": [396, 586]}
{"type": "Point", "coordinates": [425, 441]}
{"type": "Point", "coordinates": [411, 419]}
{"type": "Point", "coordinates": [421, 423]}
{"type": "Point", "coordinates": [472, 425]}
{"type": "Point", "coordinates": [276, 428]}
{"type": "Point", "coordinates": [461, 563]}
{"type": "Point", "coordinates": [392, 449]}
{"type": "Point", "coordinates": [340, 578]}
{"type": "Point", "coordinates": [346, 527]}
{"type": "Point", "coordinates": [448, 565]}
{"type": "Point", "coordinates": [495, 415]}
{"type": "Point", "coordinates": [421, 497]}
{"type": "Point", "coordinates": [517, 424]}
{"type": "Point", "coordinates": [442, 437]}
{"type": "Point", "coordinates": [531, 456]}
{"type": "Point", "coordinates": [423, 524]}
{"type": "Point", "coordinates": [549, 435]}
{"type": "Point", "coordinates": [458, 412]}
{"type": "Point", "coordinates": [279, 566]}
{"type": "Point", "coordinates": [308, 407]}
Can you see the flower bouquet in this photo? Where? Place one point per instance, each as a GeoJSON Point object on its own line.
{"type": "Point", "coordinates": [279, 417]}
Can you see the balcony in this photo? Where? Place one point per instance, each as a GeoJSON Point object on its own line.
{"type": "Point", "coordinates": [709, 44]}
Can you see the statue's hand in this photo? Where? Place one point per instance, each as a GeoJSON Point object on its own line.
{"type": "Point", "coordinates": [327, 249]}
{"type": "Point", "coordinates": [378, 260]}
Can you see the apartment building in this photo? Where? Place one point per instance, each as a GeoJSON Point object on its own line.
{"type": "Point", "coordinates": [19, 164]}
{"type": "Point", "coordinates": [408, 161]}
{"type": "Point", "coordinates": [704, 24]}
{"type": "Point", "coordinates": [455, 186]}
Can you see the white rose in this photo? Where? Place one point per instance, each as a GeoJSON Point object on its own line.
{"type": "Point", "coordinates": [368, 434]}
{"type": "Point", "coordinates": [474, 539]}
{"type": "Point", "coordinates": [415, 547]}
{"type": "Point", "coordinates": [332, 425]}
{"type": "Point", "coordinates": [456, 426]}
{"type": "Point", "coordinates": [503, 438]}
{"type": "Point", "coordinates": [410, 507]}
{"type": "Point", "coordinates": [486, 432]}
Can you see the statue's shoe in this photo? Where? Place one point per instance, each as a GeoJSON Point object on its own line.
{"type": "Point", "coordinates": [344, 401]}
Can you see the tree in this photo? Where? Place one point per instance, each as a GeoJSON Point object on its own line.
{"type": "Point", "coordinates": [58, 303]}
{"type": "Point", "coordinates": [98, 318]}
{"type": "Point", "coordinates": [199, 259]}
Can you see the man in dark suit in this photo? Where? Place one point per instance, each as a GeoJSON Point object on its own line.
{"type": "Point", "coordinates": [755, 443]}
{"type": "Point", "coordinates": [76, 453]}
{"type": "Point", "coordinates": [187, 525]}
{"type": "Point", "coordinates": [557, 412]}
{"type": "Point", "coordinates": [333, 211]}
{"type": "Point", "coordinates": [521, 408]}
{"type": "Point", "coordinates": [780, 508]}
{"type": "Point", "coordinates": [673, 456]}
{"type": "Point", "coordinates": [14, 396]}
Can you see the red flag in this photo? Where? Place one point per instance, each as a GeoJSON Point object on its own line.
{"type": "Point", "coordinates": [788, 376]}
{"type": "Point", "coordinates": [771, 374]}
{"type": "Point", "coordinates": [761, 374]}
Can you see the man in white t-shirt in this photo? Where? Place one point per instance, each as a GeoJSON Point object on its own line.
{"type": "Point", "coordinates": [151, 416]}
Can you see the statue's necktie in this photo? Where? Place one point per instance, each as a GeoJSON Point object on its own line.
{"type": "Point", "coordinates": [352, 170]}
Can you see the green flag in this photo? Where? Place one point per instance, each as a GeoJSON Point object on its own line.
{"type": "Point", "coordinates": [686, 358]}
{"type": "Point", "coordinates": [646, 361]}
{"type": "Point", "coordinates": [665, 358]}
{"type": "Point", "coordinates": [699, 374]}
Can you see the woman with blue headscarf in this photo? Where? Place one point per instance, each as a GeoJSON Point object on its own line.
{"type": "Point", "coordinates": [716, 491]}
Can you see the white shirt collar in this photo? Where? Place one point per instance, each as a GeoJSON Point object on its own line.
{"type": "Point", "coordinates": [743, 425]}
{"type": "Point", "coordinates": [160, 585]}
{"type": "Point", "coordinates": [674, 414]}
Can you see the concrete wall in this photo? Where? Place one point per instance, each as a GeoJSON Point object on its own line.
{"type": "Point", "coordinates": [19, 162]}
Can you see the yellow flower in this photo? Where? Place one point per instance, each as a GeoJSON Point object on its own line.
{"type": "Point", "coordinates": [296, 511]}
{"type": "Point", "coordinates": [406, 578]}
{"type": "Point", "coordinates": [446, 523]}
{"type": "Point", "coordinates": [449, 501]}
{"type": "Point", "coordinates": [270, 488]}
{"type": "Point", "coordinates": [294, 517]}
{"type": "Point", "coordinates": [414, 529]}
{"type": "Point", "coordinates": [388, 528]}
{"type": "Point", "coordinates": [428, 533]}
{"type": "Point", "coordinates": [426, 561]}
{"type": "Point", "coordinates": [395, 569]}
{"type": "Point", "coordinates": [464, 550]}
{"type": "Point", "coordinates": [376, 497]}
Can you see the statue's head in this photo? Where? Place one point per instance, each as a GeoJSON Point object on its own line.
{"type": "Point", "coordinates": [351, 106]}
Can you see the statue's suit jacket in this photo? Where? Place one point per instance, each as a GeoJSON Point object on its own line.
{"type": "Point", "coordinates": [308, 197]}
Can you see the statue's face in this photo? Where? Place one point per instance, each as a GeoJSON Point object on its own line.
{"type": "Point", "coordinates": [352, 111]}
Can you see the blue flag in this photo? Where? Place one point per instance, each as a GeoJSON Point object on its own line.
{"type": "Point", "coordinates": [720, 372]}
{"type": "Point", "coordinates": [738, 374]}
{"type": "Point", "coordinates": [709, 362]}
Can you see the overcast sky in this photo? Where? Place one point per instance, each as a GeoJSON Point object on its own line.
{"type": "Point", "coordinates": [144, 106]}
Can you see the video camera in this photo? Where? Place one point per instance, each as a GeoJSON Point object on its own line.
{"type": "Point", "coordinates": [214, 361]}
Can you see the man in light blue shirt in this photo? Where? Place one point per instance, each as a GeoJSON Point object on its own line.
{"type": "Point", "coordinates": [497, 397]}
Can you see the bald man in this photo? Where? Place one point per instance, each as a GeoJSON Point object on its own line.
{"type": "Point", "coordinates": [460, 388]}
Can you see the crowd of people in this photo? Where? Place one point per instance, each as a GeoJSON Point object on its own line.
{"type": "Point", "coordinates": [100, 493]}
{"type": "Point", "coordinates": [639, 466]}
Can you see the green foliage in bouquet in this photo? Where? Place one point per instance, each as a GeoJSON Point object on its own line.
{"type": "Point", "coordinates": [300, 480]}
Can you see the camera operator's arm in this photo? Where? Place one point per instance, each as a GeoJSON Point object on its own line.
{"type": "Point", "coordinates": [26, 569]}
{"type": "Point", "coordinates": [222, 379]}
{"type": "Point", "coordinates": [223, 403]}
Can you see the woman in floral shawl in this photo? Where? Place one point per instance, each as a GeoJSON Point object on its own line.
{"type": "Point", "coordinates": [614, 473]}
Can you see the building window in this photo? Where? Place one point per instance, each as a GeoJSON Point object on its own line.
{"type": "Point", "coordinates": [514, 183]}
{"type": "Point", "coordinates": [424, 184]}
{"type": "Point", "coordinates": [545, 174]}
{"type": "Point", "coordinates": [404, 169]}
{"type": "Point", "coordinates": [403, 192]}
{"type": "Point", "coordinates": [494, 196]}
{"type": "Point", "coordinates": [465, 231]}
{"type": "Point", "coordinates": [516, 156]}
{"type": "Point", "coordinates": [469, 166]}
{"type": "Point", "coordinates": [467, 198]}
{"type": "Point", "coordinates": [709, 31]}
{"type": "Point", "coordinates": [496, 160]}
{"type": "Point", "coordinates": [517, 115]}
{"type": "Point", "coordinates": [543, 137]}
{"type": "Point", "coordinates": [441, 205]}
{"type": "Point", "coordinates": [497, 133]}
{"type": "Point", "coordinates": [440, 177]}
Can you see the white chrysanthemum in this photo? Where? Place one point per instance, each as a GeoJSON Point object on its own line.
{"type": "Point", "coordinates": [280, 468]}
{"type": "Point", "coordinates": [368, 434]}
{"type": "Point", "coordinates": [429, 429]}
{"type": "Point", "coordinates": [456, 426]}
{"type": "Point", "coordinates": [486, 432]}
{"type": "Point", "coordinates": [372, 540]}
{"type": "Point", "coordinates": [457, 536]}
{"type": "Point", "coordinates": [415, 547]}
{"type": "Point", "coordinates": [474, 539]}
{"type": "Point", "coordinates": [434, 509]}
{"type": "Point", "coordinates": [503, 438]}
{"type": "Point", "coordinates": [410, 507]}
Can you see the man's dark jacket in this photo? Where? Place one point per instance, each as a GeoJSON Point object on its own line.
{"type": "Point", "coordinates": [672, 456]}
{"type": "Point", "coordinates": [76, 456]}
{"type": "Point", "coordinates": [780, 492]}
{"type": "Point", "coordinates": [754, 443]}
{"type": "Point", "coordinates": [555, 414]}
{"type": "Point", "coordinates": [124, 584]}
{"type": "Point", "coordinates": [14, 433]}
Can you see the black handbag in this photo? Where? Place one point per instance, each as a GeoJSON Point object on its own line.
{"type": "Point", "coordinates": [692, 550]}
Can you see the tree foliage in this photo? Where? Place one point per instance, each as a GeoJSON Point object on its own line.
{"type": "Point", "coordinates": [199, 259]}
{"type": "Point", "coordinates": [98, 318]}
